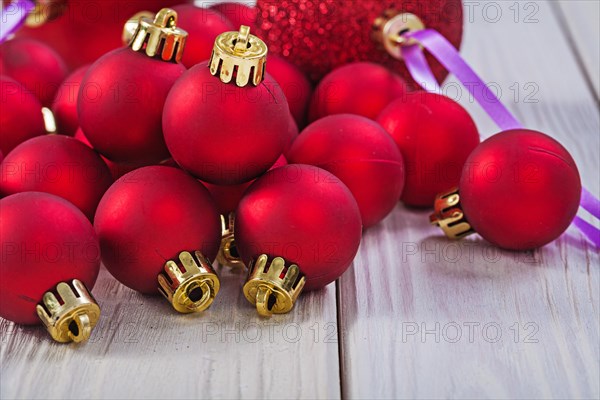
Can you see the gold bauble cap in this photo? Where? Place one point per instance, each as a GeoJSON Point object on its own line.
{"type": "Point", "coordinates": [131, 25]}
{"type": "Point", "coordinates": [449, 216]}
{"type": "Point", "coordinates": [72, 318]}
{"type": "Point", "coordinates": [159, 37]}
{"type": "Point", "coordinates": [191, 288]}
{"type": "Point", "coordinates": [388, 30]}
{"type": "Point", "coordinates": [240, 55]}
{"type": "Point", "coordinates": [228, 255]}
{"type": "Point", "coordinates": [44, 11]}
{"type": "Point", "coordinates": [273, 289]}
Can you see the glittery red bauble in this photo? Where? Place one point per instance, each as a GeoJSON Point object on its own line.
{"type": "Point", "coordinates": [45, 240]}
{"type": "Point", "coordinates": [120, 105]}
{"type": "Point", "coordinates": [117, 170]}
{"type": "Point", "coordinates": [64, 106]}
{"type": "Point", "coordinates": [35, 65]}
{"type": "Point", "coordinates": [203, 26]}
{"type": "Point", "coordinates": [21, 116]}
{"type": "Point", "coordinates": [358, 88]}
{"type": "Point", "coordinates": [320, 35]}
{"type": "Point", "coordinates": [435, 135]}
{"type": "Point", "coordinates": [222, 133]}
{"type": "Point", "coordinates": [87, 29]}
{"type": "Point", "coordinates": [361, 154]}
{"type": "Point", "coordinates": [295, 86]}
{"type": "Point", "coordinates": [303, 214]}
{"type": "Point", "coordinates": [238, 14]}
{"type": "Point", "coordinates": [148, 217]}
{"type": "Point", "coordinates": [520, 189]}
{"type": "Point", "coordinates": [59, 165]}
{"type": "Point", "coordinates": [227, 197]}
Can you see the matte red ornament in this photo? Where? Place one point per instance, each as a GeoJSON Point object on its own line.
{"type": "Point", "coordinates": [35, 65]}
{"type": "Point", "coordinates": [45, 240]}
{"type": "Point", "coordinates": [64, 106]}
{"type": "Point", "coordinates": [86, 29]}
{"type": "Point", "coordinates": [361, 154]}
{"type": "Point", "coordinates": [435, 135]}
{"type": "Point", "coordinates": [303, 214]}
{"type": "Point", "coordinates": [227, 197]}
{"type": "Point", "coordinates": [295, 85]}
{"type": "Point", "coordinates": [292, 135]}
{"type": "Point", "coordinates": [59, 165]}
{"type": "Point", "coordinates": [21, 117]}
{"type": "Point", "coordinates": [123, 94]}
{"type": "Point", "coordinates": [203, 26]}
{"type": "Point", "coordinates": [148, 217]}
{"type": "Point", "coordinates": [519, 190]}
{"type": "Point", "coordinates": [321, 35]}
{"type": "Point", "coordinates": [358, 88]}
{"type": "Point", "coordinates": [117, 170]}
{"type": "Point", "coordinates": [239, 14]}
{"type": "Point", "coordinates": [229, 128]}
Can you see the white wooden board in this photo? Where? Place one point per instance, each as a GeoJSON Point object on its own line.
{"type": "Point", "coordinates": [416, 316]}
{"type": "Point", "coordinates": [422, 317]}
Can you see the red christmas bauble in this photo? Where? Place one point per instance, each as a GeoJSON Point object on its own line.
{"type": "Point", "coordinates": [59, 165]}
{"type": "Point", "coordinates": [435, 135]}
{"type": "Point", "coordinates": [203, 26]}
{"type": "Point", "coordinates": [520, 189]}
{"type": "Point", "coordinates": [303, 214]}
{"type": "Point", "coordinates": [120, 105]}
{"type": "Point", "coordinates": [358, 88]}
{"type": "Point", "coordinates": [117, 170]}
{"type": "Point", "coordinates": [238, 14]}
{"type": "Point", "coordinates": [319, 36]}
{"type": "Point", "coordinates": [64, 106]}
{"type": "Point", "coordinates": [292, 135]}
{"type": "Point", "coordinates": [148, 217]}
{"type": "Point", "coordinates": [227, 197]}
{"type": "Point", "coordinates": [45, 240]}
{"type": "Point", "coordinates": [222, 133]}
{"type": "Point", "coordinates": [21, 117]}
{"type": "Point", "coordinates": [361, 154]}
{"type": "Point", "coordinates": [35, 65]}
{"type": "Point", "coordinates": [295, 86]}
{"type": "Point", "coordinates": [87, 29]}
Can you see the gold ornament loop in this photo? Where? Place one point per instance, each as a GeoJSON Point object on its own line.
{"type": "Point", "coordinates": [241, 43]}
{"type": "Point", "coordinates": [191, 284]}
{"type": "Point", "coordinates": [273, 289]}
{"type": "Point", "coordinates": [166, 18]}
{"type": "Point", "coordinates": [80, 328]}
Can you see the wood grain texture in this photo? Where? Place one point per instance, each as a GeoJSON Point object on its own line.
{"type": "Point", "coordinates": [422, 317]}
{"type": "Point", "coordinates": [143, 349]}
{"type": "Point", "coordinates": [581, 18]}
{"type": "Point", "coordinates": [419, 317]}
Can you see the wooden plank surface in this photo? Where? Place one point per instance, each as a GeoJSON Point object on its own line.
{"type": "Point", "coordinates": [422, 317]}
{"type": "Point", "coordinates": [143, 349]}
{"type": "Point", "coordinates": [582, 19]}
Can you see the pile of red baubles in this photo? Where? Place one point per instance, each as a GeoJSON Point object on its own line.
{"type": "Point", "coordinates": [151, 152]}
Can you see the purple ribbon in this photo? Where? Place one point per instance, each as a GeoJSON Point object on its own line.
{"type": "Point", "coordinates": [13, 16]}
{"type": "Point", "coordinates": [449, 57]}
